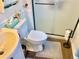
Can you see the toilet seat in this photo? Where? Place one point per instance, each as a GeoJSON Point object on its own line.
{"type": "Point", "coordinates": [36, 37]}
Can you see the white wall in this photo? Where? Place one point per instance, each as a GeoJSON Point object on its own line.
{"type": "Point", "coordinates": [29, 10]}
{"type": "Point", "coordinates": [56, 20]}
{"type": "Point", "coordinates": [12, 10]}
{"type": "Point", "coordinates": [75, 42]}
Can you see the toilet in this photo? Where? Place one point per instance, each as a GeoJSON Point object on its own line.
{"type": "Point", "coordinates": [35, 40]}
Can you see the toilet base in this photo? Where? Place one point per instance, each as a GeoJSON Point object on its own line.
{"type": "Point", "coordinates": [34, 48]}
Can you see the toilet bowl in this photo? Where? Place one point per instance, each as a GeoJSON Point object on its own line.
{"type": "Point", "coordinates": [35, 40]}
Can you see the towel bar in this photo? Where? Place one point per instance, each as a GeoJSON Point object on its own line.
{"type": "Point", "coordinates": [45, 3]}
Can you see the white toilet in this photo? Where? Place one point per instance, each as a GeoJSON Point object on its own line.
{"type": "Point", "coordinates": [35, 41]}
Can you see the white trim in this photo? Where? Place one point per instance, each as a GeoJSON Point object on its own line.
{"type": "Point", "coordinates": [57, 37]}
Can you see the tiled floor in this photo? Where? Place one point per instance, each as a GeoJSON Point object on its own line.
{"type": "Point", "coordinates": [52, 50]}
{"type": "Point", "coordinates": [66, 52]}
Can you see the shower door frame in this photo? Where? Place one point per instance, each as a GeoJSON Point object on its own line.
{"type": "Point", "coordinates": [33, 11]}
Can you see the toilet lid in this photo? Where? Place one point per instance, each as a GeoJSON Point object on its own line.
{"type": "Point", "coordinates": [37, 36]}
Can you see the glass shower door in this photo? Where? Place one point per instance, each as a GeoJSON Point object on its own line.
{"type": "Point", "coordinates": [44, 15]}
{"type": "Point", "coordinates": [55, 18]}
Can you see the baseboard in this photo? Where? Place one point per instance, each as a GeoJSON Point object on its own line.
{"type": "Point", "coordinates": [56, 37]}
